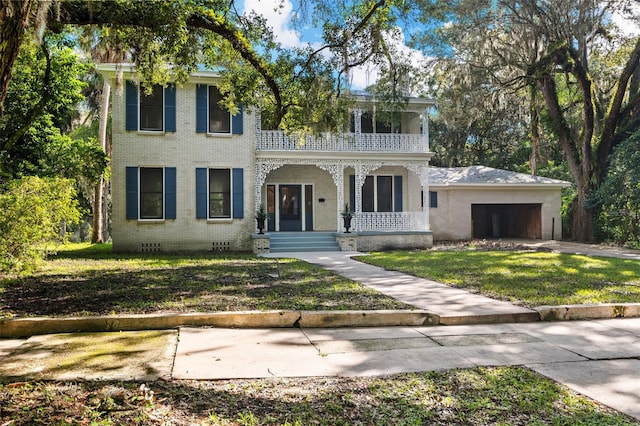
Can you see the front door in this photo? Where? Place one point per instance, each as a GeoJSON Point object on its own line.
{"type": "Point", "coordinates": [291, 207]}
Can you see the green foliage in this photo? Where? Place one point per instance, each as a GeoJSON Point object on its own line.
{"type": "Point", "coordinates": [40, 109]}
{"type": "Point", "coordinates": [618, 198]}
{"type": "Point", "coordinates": [33, 211]}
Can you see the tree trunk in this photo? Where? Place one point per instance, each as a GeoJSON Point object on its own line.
{"type": "Point", "coordinates": [582, 219]}
{"type": "Point", "coordinates": [97, 232]}
{"type": "Point", "coordinates": [14, 19]}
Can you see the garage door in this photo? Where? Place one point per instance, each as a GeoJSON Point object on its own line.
{"type": "Point", "coordinates": [507, 220]}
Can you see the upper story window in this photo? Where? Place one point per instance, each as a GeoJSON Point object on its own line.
{"type": "Point", "coordinates": [153, 111]}
{"type": "Point", "coordinates": [213, 119]}
{"type": "Point", "coordinates": [219, 118]}
{"type": "Point", "coordinates": [372, 123]}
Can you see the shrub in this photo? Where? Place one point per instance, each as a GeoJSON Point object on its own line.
{"type": "Point", "coordinates": [33, 212]}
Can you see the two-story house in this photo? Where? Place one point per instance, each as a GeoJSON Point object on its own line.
{"type": "Point", "coordinates": [188, 175]}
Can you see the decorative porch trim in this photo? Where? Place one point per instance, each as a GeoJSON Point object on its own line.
{"type": "Point", "coordinates": [336, 169]}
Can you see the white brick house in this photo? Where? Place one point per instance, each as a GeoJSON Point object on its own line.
{"type": "Point", "coordinates": [187, 175]}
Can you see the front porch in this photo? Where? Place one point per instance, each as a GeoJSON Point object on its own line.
{"type": "Point", "coordinates": [387, 199]}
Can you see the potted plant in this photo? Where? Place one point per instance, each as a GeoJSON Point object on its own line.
{"type": "Point", "coordinates": [347, 215]}
{"type": "Point", "coordinates": [261, 216]}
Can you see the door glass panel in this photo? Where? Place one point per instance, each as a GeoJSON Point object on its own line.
{"type": "Point", "coordinates": [308, 207]}
{"type": "Point", "coordinates": [290, 202]}
{"type": "Point", "coordinates": [271, 207]}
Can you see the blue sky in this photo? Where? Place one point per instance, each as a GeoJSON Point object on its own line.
{"type": "Point", "coordinates": [279, 19]}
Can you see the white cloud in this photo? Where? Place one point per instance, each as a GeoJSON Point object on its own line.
{"type": "Point", "coordinates": [368, 74]}
{"type": "Point", "coordinates": [629, 25]}
{"type": "Point", "coordinates": [278, 18]}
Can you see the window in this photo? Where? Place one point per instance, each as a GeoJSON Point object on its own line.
{"type": "Point", "coordinates": [369, 125]}
{"type": "Point", "coordinates": [219, 118]}
{"type": "Point", "coordinates": [219, 193]}
{"type": "Point", "coordinates": [211, 118]}
{"type": "Point", "coordinates": [152, 109]}
{"type": "Point", "coordinates": [151, 193]}
{"type": "Point", "coordinates": [379, 193]}
{"type": "Point", "coordinates": [150, 112]}
{"type": "Point", "coordinates": [433, 199]}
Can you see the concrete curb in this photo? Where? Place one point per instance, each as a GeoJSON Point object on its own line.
{"type": "Point", "coordinates": [589, 312]}
{"type": "Point", "coordinates": [25, 327]}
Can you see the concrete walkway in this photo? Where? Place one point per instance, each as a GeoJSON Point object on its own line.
{"type": "Point", "coordinates": [453, 306]}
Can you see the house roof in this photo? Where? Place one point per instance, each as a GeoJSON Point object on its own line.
{"type": "Point", "coordinates": [482, 175]}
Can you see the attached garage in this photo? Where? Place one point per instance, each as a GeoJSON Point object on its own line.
{"type": "Point", "coordinates": [506, 220]}
{"type": "Point", "coordinates": [483, 202]}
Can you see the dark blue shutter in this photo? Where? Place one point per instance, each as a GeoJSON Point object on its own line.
{"type": "Point", "coordinates": [237, 121]}
{"type": "Point", "coordinates": [201, 193]}
{"type": "Point", "coordinates": [170, 108]}
{"type": "Point", "coordinates": [352, 193]}
{"type": "Point", "coordinates": [131, 185]}
{"type": "Point", "coordinates": [433, 199]}
{"type": "Point", "coordinates": [397, 194]}
{"type": "Point", "coordinates": [238, 193]}
{"type": "Point", "coordinates": [169, 192]}
{"type": "Point", "coordinates": [202, 119]}
{"type": "Point", "coordinates": [131, 113]}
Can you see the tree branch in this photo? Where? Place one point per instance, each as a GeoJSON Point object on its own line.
{"type": "Point", "coordinates": [76, 12]}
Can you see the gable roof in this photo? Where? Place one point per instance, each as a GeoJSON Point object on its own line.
{"type": "Point", "coordinates": [482, 175]}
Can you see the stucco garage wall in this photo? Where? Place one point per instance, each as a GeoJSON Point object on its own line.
{"type": "Point", "coordinates": [451, 220]}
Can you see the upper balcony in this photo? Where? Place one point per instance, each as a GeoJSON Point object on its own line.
{"type": "Point", "coordinates": [277, 140]}
{"type": "Point", "coordinates": [369, 133]}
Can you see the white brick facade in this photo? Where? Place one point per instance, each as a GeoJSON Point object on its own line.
{"type": "Point", "coordinates": [278, 162]}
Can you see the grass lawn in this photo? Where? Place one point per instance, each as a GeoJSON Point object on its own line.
{"type": "Point", "coordinates": [502, 395]}
{"type": "Point", "coordinates": [526, 278]}
{"type": "Point", "coordinates": [91, 280]}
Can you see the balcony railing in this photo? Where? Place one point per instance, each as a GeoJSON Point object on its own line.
{"type": "Point", "coordinates": [387, 222]}
{"type": "Point", "coordinates": [276, 140]}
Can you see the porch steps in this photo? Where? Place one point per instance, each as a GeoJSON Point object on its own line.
{"type": "Point", "coordinates": [282, 242]}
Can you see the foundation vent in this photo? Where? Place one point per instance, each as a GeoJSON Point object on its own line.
{"type": "Point", "coordinates": [221, 246]}
{"type": "Point", "coordinates": [150, 247]}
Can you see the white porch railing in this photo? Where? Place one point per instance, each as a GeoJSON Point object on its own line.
{"type": "Point", "coordinates": [385, 222]}
{"type": "Point", "coordinates": [277, 140]}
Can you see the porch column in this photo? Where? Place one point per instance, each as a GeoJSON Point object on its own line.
{"type": "Point", "coordinates": [337, 173]}
{"type": "Point", "coordinates": [362, 170]}
{"type": "Point", "coordinates": [422, 171]}
{"type": "Point", "coordinates": [424, 121]}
